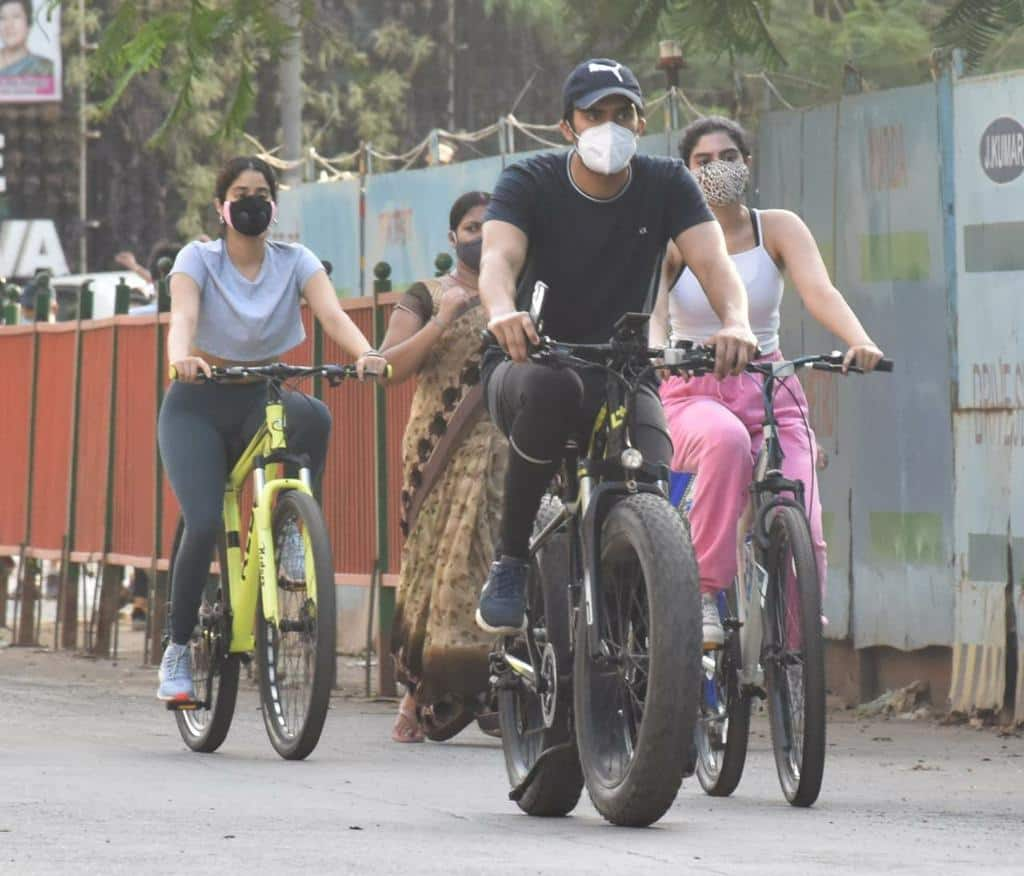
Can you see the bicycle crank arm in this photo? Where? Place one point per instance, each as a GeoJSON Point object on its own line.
{"type": "Point", "coordinates": [523, 669]}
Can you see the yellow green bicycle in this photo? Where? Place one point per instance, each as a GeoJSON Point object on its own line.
{"type": "Point", "coordinates": [249, 606]}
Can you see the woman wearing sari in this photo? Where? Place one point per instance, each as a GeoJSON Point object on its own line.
{"type": "Point", "coordinates": [453, 471]}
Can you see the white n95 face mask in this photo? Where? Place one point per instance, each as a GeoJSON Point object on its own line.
{"type": "Point", "coordinates": [606, 148]}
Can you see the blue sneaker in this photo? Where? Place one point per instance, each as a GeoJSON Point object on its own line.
{"type": "Point", "coordinates": [502, 608]}
{"type": "Point", "coordinates": [176, 674]}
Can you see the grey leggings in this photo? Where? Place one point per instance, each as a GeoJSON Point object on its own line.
{"type": "Point", "coordinates": [203, 429]}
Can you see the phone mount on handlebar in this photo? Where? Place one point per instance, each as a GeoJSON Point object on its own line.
{"type": "Point", "coordinates": [630, 333]}
{"type": "Point", "coordinates": [540, 291]}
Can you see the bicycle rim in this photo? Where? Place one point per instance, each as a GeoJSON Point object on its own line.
{"type": "Point", "coordinates": [296, 655]}
{"type": "Point", "coordinates": [621, 681]}
{"type": "Point", "coordinates": [794, 659]}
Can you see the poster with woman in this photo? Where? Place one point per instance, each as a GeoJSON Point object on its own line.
{"type": "Point", "coordinates": [30, 59]}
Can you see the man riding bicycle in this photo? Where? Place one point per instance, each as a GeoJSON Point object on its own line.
{"type": "Point", "coordinates": [592, 223]}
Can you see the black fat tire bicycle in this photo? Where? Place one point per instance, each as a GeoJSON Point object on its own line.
{"type": "Point", "coordinates": [601, 688]}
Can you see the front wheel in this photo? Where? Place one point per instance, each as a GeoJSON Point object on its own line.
{"type": "Point", "coordinates": [794, 657]}
{"type": "Point", "coordinates": [636, 699]}
{"type": "Point", "coordinates": [296, 655]}
{"type": "Point", "coordinates": [214, 669]}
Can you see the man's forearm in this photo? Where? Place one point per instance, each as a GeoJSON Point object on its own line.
{"type": "Point", "coordinates": [497, 285]}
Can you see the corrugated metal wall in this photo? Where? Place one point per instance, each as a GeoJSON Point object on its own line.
{"type": "Point", "coordinates": [989, 388]}
{"type": "Point", "coordinates": [916, 197]}
{"type": "Point", "coordinates": [864, 174]}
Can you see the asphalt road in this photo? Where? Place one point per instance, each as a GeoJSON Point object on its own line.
{"type": "Point", "coordinates": [94, 779]}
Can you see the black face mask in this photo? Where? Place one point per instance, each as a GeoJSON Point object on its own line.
{"type": "Point", "coordinates": [251, 215]}
{"type": "Point", "coordinates": [469, 253]}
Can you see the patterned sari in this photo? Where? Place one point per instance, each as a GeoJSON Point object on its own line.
{"type": "Point", "coordinates": [454, 463]}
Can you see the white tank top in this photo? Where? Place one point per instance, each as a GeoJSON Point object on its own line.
{"type": "Point", "coordinates": [690, 314]}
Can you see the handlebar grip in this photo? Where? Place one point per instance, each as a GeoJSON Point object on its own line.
{"type": "Point", "coordinates": [884, 365]}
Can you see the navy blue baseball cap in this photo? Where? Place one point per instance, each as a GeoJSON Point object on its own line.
{"type": "Point", "coordinates": [596, 79]}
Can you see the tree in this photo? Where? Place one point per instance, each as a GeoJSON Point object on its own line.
{"type": "Point", "coordinates": [978, 25]}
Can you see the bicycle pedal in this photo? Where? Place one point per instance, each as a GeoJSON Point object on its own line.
{"type": "Point", "coordinates": [183, 705]}
{"type": "Point", "coordinates": [732, 623]}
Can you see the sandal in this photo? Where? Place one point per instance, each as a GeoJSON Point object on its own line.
{"type": "Point", "coordinates": [407, 725]}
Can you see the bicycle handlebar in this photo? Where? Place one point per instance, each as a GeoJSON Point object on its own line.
{"type": "Point", "coordinates": [335, 374]}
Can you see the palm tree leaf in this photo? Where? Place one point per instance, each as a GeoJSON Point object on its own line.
{"type": "Point", "coordinates": [974, 25]}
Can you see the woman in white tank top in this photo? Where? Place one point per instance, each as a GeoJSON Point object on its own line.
{"type": "Point", "coordinates": [716, 425]}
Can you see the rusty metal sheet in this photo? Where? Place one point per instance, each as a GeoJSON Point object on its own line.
{"type": "Point", "coordinates": [407, 214]}
{"type": "Point", "coordinates": [93, 436]}
{"type": "Point", "coordinates": [51, 462]}
{"type": "Point", "coordinates": [348, 485]}
{"type": "Point", "coordinates": [864, 175]}
{"type": "Point", "coordinates": [325, 218]}
{"type": "Point", "coordinates": [134, 487]}
{"type": "Point", "coordinates": [989, 389]}
{"type": "Point", "coordinates": [15, 402]}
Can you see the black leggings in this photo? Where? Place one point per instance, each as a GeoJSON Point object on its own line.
{"type": "Point", "coordinates": [203, 429]}
{"type": "Point", "coordinates": [539, 407]}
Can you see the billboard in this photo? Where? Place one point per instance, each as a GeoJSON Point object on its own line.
{"type": "Point", "coordinates": [30, 58]}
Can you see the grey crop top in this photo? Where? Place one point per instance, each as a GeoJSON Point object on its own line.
{"type": "Point", "coordinates": [248, 320]}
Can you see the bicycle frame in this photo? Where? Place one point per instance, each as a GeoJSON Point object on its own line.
{"type": "Point", "coordinates": [767, 485]}
{"type": "Point", "coordinates": [255, 572]}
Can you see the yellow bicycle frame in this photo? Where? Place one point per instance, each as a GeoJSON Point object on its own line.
{"type": "Point", "coordinates": [256, 570]}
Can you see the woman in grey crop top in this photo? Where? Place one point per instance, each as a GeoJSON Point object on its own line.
{"type": "Point", "coordinates": [236, 301]}
{"type": "Point", "coordinates": [716, 426]}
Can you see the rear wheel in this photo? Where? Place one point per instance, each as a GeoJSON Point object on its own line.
{"type": "Point", "coordinates": [296, 655]}
{"type": "Point", "coordinates": [525, 735]}
{"type": "Point", "coordinates": [794, 657]}
{"type": "Point", "coordinates": [214, 669]}
{"type": "Point", "coordinates": [636, 700]}
{"type": "Point", "coordinates": [723, 725]}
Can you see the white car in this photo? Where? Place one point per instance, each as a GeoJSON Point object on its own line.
{"type": "Point", "coordinates": [104, 285]}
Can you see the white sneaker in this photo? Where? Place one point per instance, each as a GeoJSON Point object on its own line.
{"type": "Point", "coordinates": [293, 553]}
{"type": "Point", "coordinates": [714, 635]}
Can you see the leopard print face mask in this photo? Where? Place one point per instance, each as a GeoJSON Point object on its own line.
{"type": "Point", "coordinates": [723, 182]}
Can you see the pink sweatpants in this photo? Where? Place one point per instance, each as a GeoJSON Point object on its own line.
{"type": "Point", "coordinates": [716, 432]}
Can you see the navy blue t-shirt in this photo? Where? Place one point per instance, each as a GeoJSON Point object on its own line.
{"type": "Point", "coordinates": [600, 259]}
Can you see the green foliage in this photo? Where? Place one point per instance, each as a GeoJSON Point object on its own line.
{"type": "Point", "coordinates": [978, 25]}
{"type": "Point", "coordinates": [724, 27]}
{"type": "Point", "coordinates": [183, 41]}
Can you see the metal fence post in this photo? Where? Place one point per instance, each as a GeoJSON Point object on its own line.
{"type": "Point", "coordinates": [443, 264]}
{"type": "Point", "coordinates": [110, 586]}
{"type": "Point", "coordinates": [379, 595]}
{"type": "Point", "coordinates": [951, 69]}
{"type": "Point", "coordinates": [28, 595]}
{"type": "Point", "coordinates": [67, 608]}
{"type": "Point", "coordinates": [156, 602]}
{"type": "Point", "coordinates": [11, 309]}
